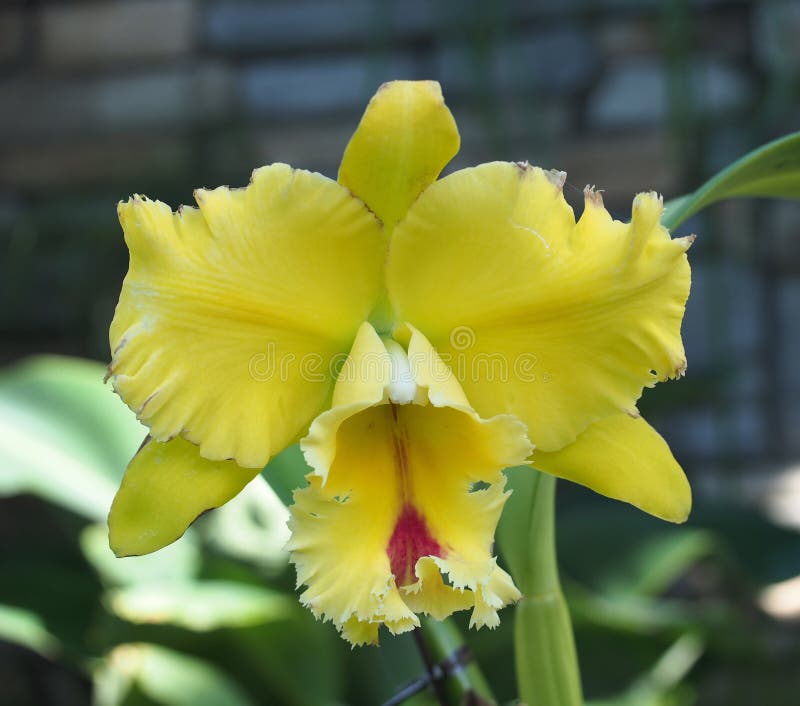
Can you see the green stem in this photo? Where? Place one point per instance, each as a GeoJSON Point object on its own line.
{"type": "Point", "coordinates": [464, 681]}
{"type": "Point", "coordinates": [545, 657]}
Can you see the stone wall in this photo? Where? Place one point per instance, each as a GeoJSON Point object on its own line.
{"type": "Point", "coordinates": [102, 99]}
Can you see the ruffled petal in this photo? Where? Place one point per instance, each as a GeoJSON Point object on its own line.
{"type": "Point", "coordinates": [499, 591]}
{"type": "Point", "coordinates": [338, 546]}
{"type": "Point", "coordinates": [231, 316]}
{"type": "Point", "coordinates": [405, 138]}
{"type": "Point", "coordinates": [392, 506]}
{"type": "Point", "coordinates": [166, 487]}
{"type": "Point", "coordinates": [431, 595]}
{"type": "Point", "coordinates": [558, 323]}
{"type": "Point", "coordinates": [625, 459]}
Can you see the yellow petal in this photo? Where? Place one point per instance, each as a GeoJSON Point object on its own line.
{"type": "Point", "coordinates": [431, 595]}
{"type": "Point", "coordinates": [499, 591]}
{"type": "Point", "coordinates": [366, 373]}
{"type": "Point", "coordinates": [393, 484]}
{"type": "Point", "coordinates": [360, 632]}
{"type": "Point", "coordinates": [405, 138]}
{"type": "Point", "coordinates": [625, 459]}
{"type": "Point", "coordinates": [558, 323]}
{"type": "Point", "coordinates": [231, 316]}
{"type": "Point", "coordinates": [167, 487]}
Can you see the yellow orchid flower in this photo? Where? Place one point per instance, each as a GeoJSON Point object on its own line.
{"type": "Point", "coordinates": [391, 505]}
{"type": "Point", "coordinates": [473, 314]}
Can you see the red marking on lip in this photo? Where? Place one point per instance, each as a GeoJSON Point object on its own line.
{"type": "Point", "coordinates": [410, 541]}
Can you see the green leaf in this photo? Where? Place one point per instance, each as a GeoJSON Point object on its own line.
{"type": "Point", "coordinates": [200, 606]}
{"type": "Point", "coordinates": [771, 170]}
{"type": "Point", "coordinates": [660, 685]}
{"type": "Point", "coordinates": [657, 562]}
{"type": "Point", "coordinates": [178, 561]}
{"type": "Point", "coordinates": [296, 662]}
{"type": "Point", "coordinates": [464, 686]}
{"type": "Point", "coordinates": [166, 677]}
{"type": "Point", "coordinates": [22, 627]}
{"type": "Point", "coordinates": [286, 472]}
{"type": "Point", "coordinates": [63, 435]}
{"type": "Point", "coordinates": [638, 615]}
{"type": "Point", "coordinates": [251, 527]}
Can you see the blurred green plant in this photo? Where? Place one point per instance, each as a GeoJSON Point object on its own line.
{"type": "Point", "coordinates": [65, 439]}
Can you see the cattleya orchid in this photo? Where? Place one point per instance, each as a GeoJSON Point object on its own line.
{"type": "Point", "coordinates": [480, 327]}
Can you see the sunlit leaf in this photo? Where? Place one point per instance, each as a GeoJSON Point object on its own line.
{"type": "Point", "coordinates": [178, 561]}
{"type": "Point", "coordinates": [251, 527]}
{"type": "Point", "coordinates": [64, 436]}
{"type": "Point", "coordinates": [771, 170]}
{"type": "Point", "coordinates": [200, 606]}
{"type": "Point", "coordinates": [22, 627]}
{"type": "Point", "coordinates": [166, 677]}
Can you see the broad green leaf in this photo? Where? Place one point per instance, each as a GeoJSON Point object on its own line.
{"type": "Point", "coordinates": [658, 561]}
{"type": "Point", "coordinates": [296, 662]}
{"type": "Point", "coordinates": [22, 627]}
{"type": "Point", "coordinates": [645, 616]}
{"type": "Point", "coordinates": [178, 561]}
{"type": "Point", "coordinates": [200, 606]}
{"type": "Point", "coordinates": [164, 676]}
{"type": "Point", "coordinates": [661, 685]}
{"type": "Point", "coordinates": [52, 583]}
{"type": "Point", "coordinates": [64, 435]}
{"type": "Point", "coordinates": [743, 539]}
{"type": "Point", "coordinates": [251, 527]}
{"type": "Point", "coordinates": [771, 170]}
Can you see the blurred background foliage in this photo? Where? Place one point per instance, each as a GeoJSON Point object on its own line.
{"type": "Point", "coordinates": [99, 100]}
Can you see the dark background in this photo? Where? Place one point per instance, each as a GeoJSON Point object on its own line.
{"type": "Point", "coordinates": [104, 99]}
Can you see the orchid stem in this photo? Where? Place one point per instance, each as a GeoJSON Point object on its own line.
{"type": "Point", "coordinates": [433, 671]}
{"type": "Point", "coordinates": [546, 662]}
{"type": "Point", "coordinates": [455, 671]}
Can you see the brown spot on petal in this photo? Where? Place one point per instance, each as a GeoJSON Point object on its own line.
{"type": "Point", "coordinates": [123, 342]}
{"type": "Point", "coordinates": [556, 178]}
{"type": "Point", "coordinates": [150, 397]}
{"type": "Point", "coordinates": [593, 196]}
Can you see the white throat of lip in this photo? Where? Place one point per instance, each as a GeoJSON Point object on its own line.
{"type": "Point", "coordinates": [402, 388]}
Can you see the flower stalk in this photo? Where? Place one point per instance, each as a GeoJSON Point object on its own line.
{"type": "Point", "coordinates": [463, 681]}
{"type": "Point", "coordinates": [545, 658]}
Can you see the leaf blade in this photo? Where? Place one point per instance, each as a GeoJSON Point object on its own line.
{"type": "Point", "coordinates": [772, 170]}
